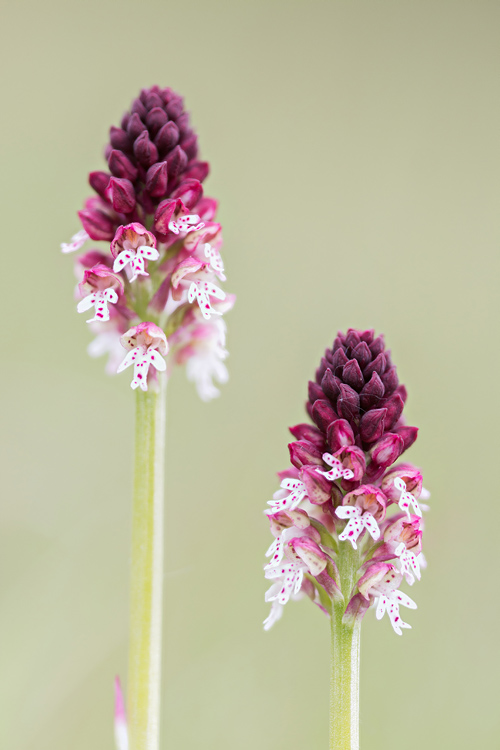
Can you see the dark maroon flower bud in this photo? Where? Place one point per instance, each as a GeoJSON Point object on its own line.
{"type": "Point", "coordinates": [135, 126]}
{"type": "Point", "coordinates": [372, 393]}
{"type": "Point", "coordinates": [394, 406]}
{"type": "Point", "coordinates": [377, 346]}
{"type": "Point", "coordinates": [190, 146]}
{"type": "Point", "coordinates": [390, 380]}
{"type": "Point", "coordinates": [152, 100]}
{"type": "Point", "coordinates": [324, 365]}
{"type": "Point", "coordinates": [157, 179]}
{"type": "Point", "coordinates": [167, 137]}
{"type": "Point", "coordinates": [339, 360]}
{"type": "Point", "coordinates": [119, 139]}
{"type": "Point", "coordinates": [348, 403]}
{"type": "Point", "coordinates": [372, 424]}
{"type": "Point", "coordinates": [339, 434]}
{"type": "Point", "coordinates": [330, 385]}
{"type": "Point", "coordinates": [362, 354]}
{"type": "Point", "coordinates": [352, 339]}
{"type": "Point", "coordinates": [97, 225]}
{"type": "Point", "coordinates": [156, 118]}
{"type": "Point", "coordinates": [99, 182]}
{"type": "Point", "coordinates": [352, 375]}
{"type": "Point", "coordinates": [319, 489]}
{"type": "Point", "coordinates": [387, 450]}
{"type": "Point", "coordinates": [175, 107]}
{"type": "Point", "coordinates": [378, 365]}
{"type": "Point", "coordinates": [121, 166]}
{"type": "Point", "coordinates": [314, 392]}
{"type": "Point", "coordinates": [323, 414]}
{"type": "Point", "coordinates": [121, 194]}
{"type": "Point", "coordinates": [163, 214]}
{"type": "Point", "coordinates": [138, 108]}
{"type": "Point", "coordinates": [197, 170]}
{"type": "Point", "coordinates": [308, 432]}
{"type": "Point", "coordinates": [409, 435]}
{"type": "Point", "coordinates": [303, 453]}
{"type": "Point", "coordinates": [190, 192]}
{"type": "Point", "coordinates": [145, 151]}
{"type": "Point", "coordinates": [177, 161]}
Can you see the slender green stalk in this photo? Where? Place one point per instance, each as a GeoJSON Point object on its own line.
{"type": "Point", "coordinates": [344, 682]}
{"type": "Point", "coordinates": [144, 675]}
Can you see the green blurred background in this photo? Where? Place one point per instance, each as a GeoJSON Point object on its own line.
{"type": "Point", "coordinates": [354, 150]}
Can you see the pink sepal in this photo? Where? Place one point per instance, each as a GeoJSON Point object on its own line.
{"type": "Point", "coordinates": [189, 192]}
{"type": "Point", "coordinates": [290, 473]}
{"type": "Point", "coordinates": [379, 574]}
{"type": "Point", "coordinates": [330, 585]}
{"type": "Point", "coordinates": [97, 224]}
{"type": "Point", "coordinates": [121, 194]}
{"type": "Point", "coordinates": [94, 258]}
{"type": "Point", "coordinates": [206, 208]}
{"type": "Point", "coordinates": [185, 267]}
{"type": "Point", "coordinates": [353, 458]}
{"type": "Point", "coordinates": [356, 609]}
{"type": "Point", "coordinates": [285, 519]}
{"type": "Point", "coordinates": [310, 553]}
{"type": "Point", "coordinates": [339, 435]}
{"type": "Point", "coordinates": [411, 476]}
{"type": "Point", "coordinates": [319, 489]}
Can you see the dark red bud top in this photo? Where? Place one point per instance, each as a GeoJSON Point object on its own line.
{"type": "Point", "coordinates": [378, 365]}
{"type": "Point", "coordinates": [121, 166]}
{"type": "Point", "coordinates": [156, 118]}
{"type": "Point", "coordinates": [145, 151]}
{"type": "Point", "coordinates": [394, 406]}
{"type": "Point", "coordinates": [352, 375]}
{"type": "Point", "coordinates": [409, 435]}
{"type": "Point", "coordinates": [177, 162]}
{"type": "Point", "coordinates": [303, 453]}
{"type": "Point", "coordinates": [121, 194]}
{"type": "Point", "coordinates": [119, 139]}
{"type": "Point", "coordinates": [309, 432]}
{"type": "Point", "coordinates": [377, 346]}
{"type": "Point", "coordinates": [348, 403]}
{"type": "Point", "coordinates": [99, 182]}
{"type": "Point", "coordinates": [163, 214]}
{"type": "Point", "coordinates": [135, 126]}
{"type": "Point", "coordinates": [157, 179]}
{"type": "Point", "coordinates": [323, 414]}
{"type": "Point", "coordinates": [314, 392]}
{"type": "Point", "coordinates": [339, 434]}
{"type": "Point", "coordinates": [390, 380]}
{"type": "Point", "coordinates": [197, 170]}
{"type": "Point", "coordinates": [167, 138]}
{"type": "Point", "coordinates": [190, 192]}
{"type": "Point", "coordinates": [339, 360]}
{"type": "Point", "coordinates": [190, 146]}
{"type": "Point", "coordinates": [97, 225]}
{"type": "Point", "coordinates": [330, 385]}
{"type": "Point", "coordinates": [362, 354]}
{"type": "Point", "coordinates": [372, 393]}
{"type": "Point", "coordinates": [372, 425]}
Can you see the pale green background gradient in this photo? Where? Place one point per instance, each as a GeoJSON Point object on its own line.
{"type": "Point", "coordinates": [355, 152]}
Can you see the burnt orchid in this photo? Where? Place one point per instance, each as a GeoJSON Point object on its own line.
{"type": "Point", "coordinates": [347, 519]}
{"type": "Point", "coordinates": [152, 289]}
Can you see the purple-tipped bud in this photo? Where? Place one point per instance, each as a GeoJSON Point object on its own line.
{"type": "Point", "coordinates": [177, 162]}
{"type": "Point", "coordinates": [309, 432]}
{"type": "Point", "coordinates": [197, 170]}
{"type": "Point", "coordinates": [98, 226]}
{"type": "Point", "coordinates": [323, 414]}
{"type": "Point", "coordinates": [163, 214]}
{"type": "Point", "coordinates": [372, 424]}
{"type": "Point", "coordinates": [352, 375]}
{"type": "Point", "coordinates": [330, 385]}
{"type": "Point", "coordinates": [303, 453]}
{"type": "Point", "coordinates": [167, 138]}
{"type": "Point", "coordinates": [319, 489]}
{"type": "Point", "coordinates": [119, 139]}
{"type": "Point", "coordinates": [378, 365]}
{"type": "Point", "coordinates": [135, 126]}
{"type": "Point", "coordinates": [394, 406]}
{"type": "Point", "coordinates": [121, 194]}
{"type": "Point", "coordinates": [362, 354]}
{"type": "Point", "coordinates": [348, 403]}
{"type": "Point", "coordinates": [408, 434]}
{"type": "Point", "coordinates": [314, 392]}
{"type": "Point", "coordinates": [157, 179]}
{"type": "Point", "coordinates": [372, 393]}
{"type": "Point", "coordinates": [156, 118]}
{"type": "Point", "coordinates": [387, 450]}
{"type": "Point", "coordinates": [339, 434]}
{"type": "Point", "coordinates": [99, 181]}
{"type": "Point", "coordinates": [145, 151]}
{"type": "Point", "coordinates": [189, 192]}
{"type": "Point", "coordinates": [121, 166]}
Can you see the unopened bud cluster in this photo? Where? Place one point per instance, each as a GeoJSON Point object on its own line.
{"type": "Point", "coordinates": [344, 487]}
{"type": "Point", "coordinates": [153, 282]}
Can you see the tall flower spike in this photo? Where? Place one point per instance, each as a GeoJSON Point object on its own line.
{"type": "Point", "coordinates": [346, 519]}
{"type": "Point", "coordinates": [155, 272]}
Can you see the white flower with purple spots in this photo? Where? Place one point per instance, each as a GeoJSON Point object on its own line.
{"type": "Point", "coordinates": [100, 301]}
{"type": "Point", "coordinates": [409, 563]}
{"type": "Point", "coordinates": [337, 471]}
{"type": "Point", "coordinates": [358, 521]}
{"type": "Point", "coordinates": [76, 242]}
{"type": "Point", "coordinates": [289, 497]}
{"type": "Point", "coordinates": [407, 499]}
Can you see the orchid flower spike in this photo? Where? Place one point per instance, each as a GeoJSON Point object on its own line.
{"type": "Point", "coordinates": [158, 259]}
{"type": "Point", "coordinates": [342, 487]}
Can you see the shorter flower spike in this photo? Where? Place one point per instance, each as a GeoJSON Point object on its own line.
{"type": "Point", "coordinates": [77, 241]}
{"type": "Point", "coordinates": [337, 471]}
{"type": "Point", "coordinates": [121, 730]}
{"type": "Point", "coordinates": [147, 343]}
{"type": "Point", "coordinates": [407, 498]}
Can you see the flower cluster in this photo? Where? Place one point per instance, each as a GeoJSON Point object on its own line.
{"type": "Point", "coordinates": [344, 488]}
{"type": "Point", "coordinates": [158, 274]}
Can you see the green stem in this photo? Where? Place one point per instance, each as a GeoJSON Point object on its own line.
{"type": "Point", "coordinates": [144, 675]}
{"type": "Point", "coordinates": [344, 683]}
